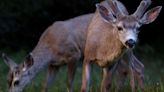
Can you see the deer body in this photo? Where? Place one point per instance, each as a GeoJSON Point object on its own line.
{"type": "Point", "coordinates": [66, 40]}
{"type": "Point", "coordinates": [62, 43]}
{"type": "Point", "coordinates": [98, 45]}
{"type": "Point", "coordinates": [102, 47]}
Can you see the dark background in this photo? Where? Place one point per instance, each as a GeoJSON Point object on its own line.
{"type": "Point", "coordinates": [23, 21]}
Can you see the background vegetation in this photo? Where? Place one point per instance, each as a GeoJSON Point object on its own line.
{"type": "Point", "coordinates": [23, 21]}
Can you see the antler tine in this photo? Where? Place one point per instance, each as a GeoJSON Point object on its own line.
{"type": "Point", "coordinates": [114, 8]}
{"type": "Point", "coordinates": [122, 8]}
{"type": "Point", "coordinates": [142, 8]}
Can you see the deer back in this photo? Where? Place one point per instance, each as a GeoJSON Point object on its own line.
{"type": "Point", "coordinates": [65, 39]}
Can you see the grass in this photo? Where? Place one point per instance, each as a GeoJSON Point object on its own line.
{"type": "Point", "coordinates": [152, 59]}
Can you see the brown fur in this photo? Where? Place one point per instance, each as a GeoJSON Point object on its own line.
{"type": "Point", "coordinates": [102, 47]}
{"type": "Point", "coordinates": [99, 39]}
{"type": "Point", "coordinates": [66, 42]}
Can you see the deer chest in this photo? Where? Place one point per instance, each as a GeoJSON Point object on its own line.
{"type": "Point", "coordinates": [108, 57]}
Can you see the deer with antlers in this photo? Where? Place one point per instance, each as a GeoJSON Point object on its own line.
{"type": "Point", "coordinates": [110, 35]}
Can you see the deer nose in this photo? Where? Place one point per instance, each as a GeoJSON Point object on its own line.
{"type": "Point", "coordinates": [130, 43]}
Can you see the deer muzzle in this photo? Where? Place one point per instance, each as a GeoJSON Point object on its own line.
{"type": "Point", "coordinates": [130, 43]}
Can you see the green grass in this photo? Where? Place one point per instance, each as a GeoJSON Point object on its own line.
{"type": "Point", "coordinates": [152, 59]}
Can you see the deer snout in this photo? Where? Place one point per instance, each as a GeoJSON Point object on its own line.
{"type": "Point", "coordinates": [130, 43]}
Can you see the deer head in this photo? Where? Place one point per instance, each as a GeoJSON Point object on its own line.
{"type": "Point", "coordinates": [127, 25]}
{"type": "Point", "coordinates": [16, 71]}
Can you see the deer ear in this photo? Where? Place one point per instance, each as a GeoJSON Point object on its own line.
{"type": "Point", "coordinates": [105, 13]}
{"type": "Point", "coordinates": [8, 61]}
{"type": "Point", "coordinates": [151, 15]}
{"type": "Point", "coordinates": [28, 62]}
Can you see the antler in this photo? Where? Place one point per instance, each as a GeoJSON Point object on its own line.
{"type": "Point", "coordinates": [142, 8]}
{"type": "Point", "coordinates": [117, 8]}
{"type": "Point", "coordinates": [114, 8]}
{"type": "Point", "coordinates": [122, 8]}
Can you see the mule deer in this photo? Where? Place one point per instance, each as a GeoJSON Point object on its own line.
{"type": "Point", "coordinates": [62, 43]}
{"type": "Point", "coordinates": [126, 67]}
{"type": "Point", "coordinates": [110, 35]}
{"type": "Point", "coordinates": [19, 75]}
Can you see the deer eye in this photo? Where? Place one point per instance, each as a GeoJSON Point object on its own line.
{"type": "Point", "coordinates": [137, 29]}
{"type": "Point", "coordinates": [120, 28]}
{"type": "Point", "coordinates": [10, 79]}
{"type": "Point", "coordinates": [16, 82]}
{"type": "Point", "coordinates": [17, 72]}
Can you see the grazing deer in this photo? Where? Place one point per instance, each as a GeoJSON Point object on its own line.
{"type": "Point", "coordinates": [62, 43]}
{"type": "Point", "coordinates": [110, 35]}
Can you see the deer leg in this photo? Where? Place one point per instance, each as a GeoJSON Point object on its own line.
{"type": "Point", "coordinates": [71, 67]}
{"type": "Point", "coordinates": [132, 81]}
{"type": "Point", "coordinates": [140, 79]}
{"type": "Point", "coordinates": [139, 73]}
{"type": "Point", "coordinates": [107, 77]}
{"type": "Point", "coordinates": [52, 70]}
{"type": "Point", "coordinates": [121, 76]}
{"type": "Point", "coordinates": [85, 76]}
{"type": "Point", "coordinates": [105, 83]}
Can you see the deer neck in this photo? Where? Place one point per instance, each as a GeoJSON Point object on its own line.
{"type": "Point", "coordinates": [104, 38]}
{"type": "Point", "coordinates": [41, 54]}
{"type": "Point", "coordinates": [110, 49]}
{"type": "Point", "coordinates": [41, 57]}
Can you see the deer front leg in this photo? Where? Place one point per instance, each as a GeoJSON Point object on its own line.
{"type": "Point", "coordinates": [121, 76]}
{"type": "Point", "coordinates": [141, 82]}
{"type": "Point", "coordinates": [52, 70]}
{"type": "Point", "coordinates": [132, 81]}
{"type": "Point", "coordinates": [71, 67]}
{"type": "Point", "coordinates": [106, 81]}
{"type": "Point", "coordinates": [139, 72]}
{"type": "Point", "coordinates": [107, 77]}
{"type": "Point", "coordinates": [139, 77]}
{"type": "Point", "coordinates": [85, 76]}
